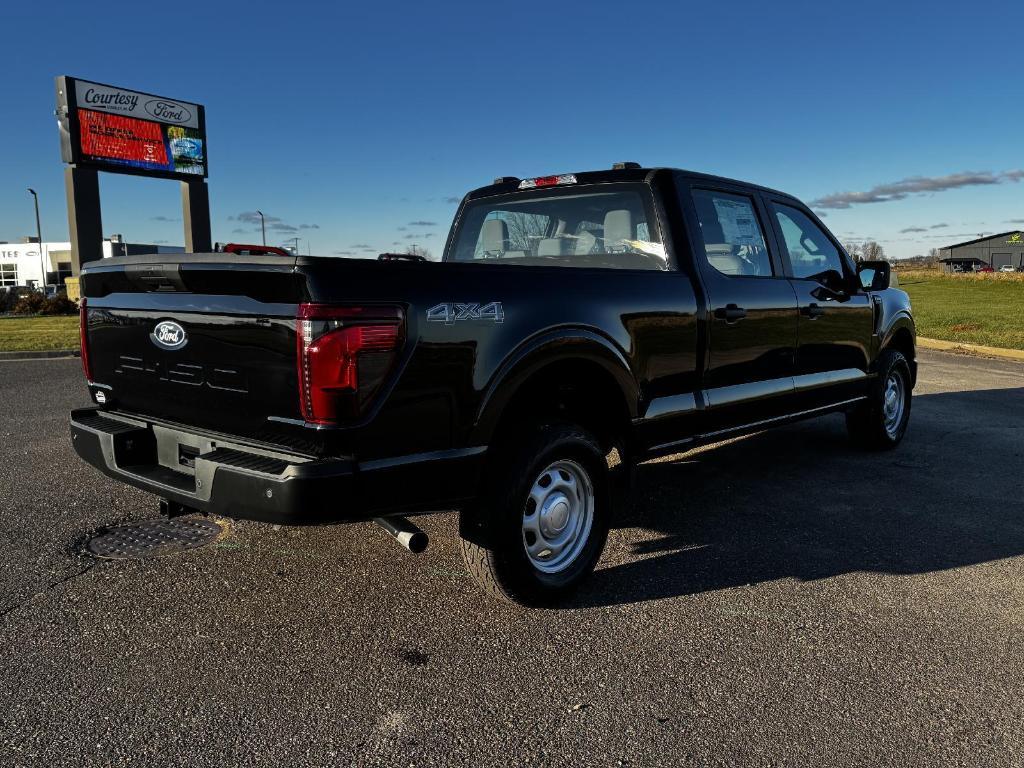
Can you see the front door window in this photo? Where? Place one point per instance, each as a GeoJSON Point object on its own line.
{"type": "Point", "coordinates": [811, 253]}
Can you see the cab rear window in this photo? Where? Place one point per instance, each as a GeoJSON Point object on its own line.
{"type": "Point", "coordinates": [611, 227]}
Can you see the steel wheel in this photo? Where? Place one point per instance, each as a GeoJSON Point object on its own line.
{"type": "Point", "coordinates": [880, 421]}
{"type": "Point", "coordinates": [893, 403]}
{"type": "Point", "coordinates": [558, 516]}
{"type": "Point", "coordinates": [539, 527]}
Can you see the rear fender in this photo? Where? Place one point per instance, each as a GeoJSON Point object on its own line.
{"type": "Point", "coordinates": [533, 355]}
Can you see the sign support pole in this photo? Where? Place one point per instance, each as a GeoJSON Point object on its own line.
{"type": "Point", "coordinates": [85, 223]}
{"type": "Point", "coordinates": [195, 209]}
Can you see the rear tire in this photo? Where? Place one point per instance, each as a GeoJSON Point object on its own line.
{"type": "Point", "coordinates": [881, 421]}
{"type": "Point", "coordinates": [541, 522]}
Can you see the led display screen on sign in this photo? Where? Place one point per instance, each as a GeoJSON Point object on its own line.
{"type": "Point", "coordinates": [115, 129]}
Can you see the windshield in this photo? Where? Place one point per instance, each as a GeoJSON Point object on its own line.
{"type": "Point", "coordinates": [614, 228]}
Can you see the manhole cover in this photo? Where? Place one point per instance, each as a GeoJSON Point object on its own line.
{"type": "Point", "coordinates": [154, 538]}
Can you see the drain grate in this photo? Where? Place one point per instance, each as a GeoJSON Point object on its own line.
{"type": "Point", "coordinates": [154, 538]}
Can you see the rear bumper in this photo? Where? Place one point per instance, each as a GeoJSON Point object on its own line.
{"type": "Point", "coordinates": [213, 474]}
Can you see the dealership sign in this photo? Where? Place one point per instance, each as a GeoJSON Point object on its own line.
{"type": "Point", "coordinates": [125, 131]}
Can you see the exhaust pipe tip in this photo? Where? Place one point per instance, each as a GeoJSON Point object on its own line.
{"type": "Point", "coordinates": [404, 532]}
{"type": "Point", "coordinates": [414, 542]}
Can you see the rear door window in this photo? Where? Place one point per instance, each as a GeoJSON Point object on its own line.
{"type": "Point", "coordinates": [613, 227]}
{"type": "Point", "coordinates": [733, 240]}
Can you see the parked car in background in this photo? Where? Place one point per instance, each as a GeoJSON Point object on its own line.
{"type": "Point", "coordinates": [1007, 268]}
{"type": "Point", "coordinates": [984, 268]}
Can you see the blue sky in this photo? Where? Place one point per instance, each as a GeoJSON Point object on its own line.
{"type": "Point", "coordinates": [366, 122]}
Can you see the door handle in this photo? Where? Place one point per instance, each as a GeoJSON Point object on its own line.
{"type": "Point", "coordinates": [730, 313]}
{"type": "Point", "coordinates": [812, 311]}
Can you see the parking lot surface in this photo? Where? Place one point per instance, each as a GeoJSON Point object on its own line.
{"type": "Point", "coordinates": [778, 600]}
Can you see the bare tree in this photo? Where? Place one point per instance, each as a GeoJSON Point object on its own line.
{"type": "Point", "coordinates": [872, 251]}
{"type": "Point", "coordinates": [524, 230]}
{"type": "Point", "coordinates": [853, 249]}
{"type": "Point", "coordinates": [418, 250]}
{"type": "Point", "coordinates": [933, 256]}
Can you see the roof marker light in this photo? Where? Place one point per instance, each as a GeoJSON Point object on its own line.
{"type": "Point", "coordinates": [547, 181]}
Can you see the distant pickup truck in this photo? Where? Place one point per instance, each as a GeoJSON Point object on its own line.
{"type": "Point", "coordinates": [578, 324]}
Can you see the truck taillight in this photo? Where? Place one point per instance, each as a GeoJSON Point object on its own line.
{"type": "Point", "coordinates": [343, 356]}
{"type": "Point", "coordinates": [83, 338]}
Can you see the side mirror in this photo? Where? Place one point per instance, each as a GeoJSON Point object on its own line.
{"type": "Point", "coordinates": [874, 275]}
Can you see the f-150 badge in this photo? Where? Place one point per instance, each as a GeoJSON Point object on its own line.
{"type": "Point", "coordinates": [452, 312]}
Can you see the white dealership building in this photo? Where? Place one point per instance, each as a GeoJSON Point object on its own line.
{"type": "Point", "coordinates": [21, 264]}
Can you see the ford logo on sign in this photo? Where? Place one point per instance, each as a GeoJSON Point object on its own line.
{"type": "Point", "coordinates": [168, 111]}
{"type": "Point", "coordinates": [169, 335]}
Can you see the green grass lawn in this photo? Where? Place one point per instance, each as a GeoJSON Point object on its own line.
{"type": "Point", "coordinates": [20, 334]}
{"type": "Point", "coordinates": [982, 309]}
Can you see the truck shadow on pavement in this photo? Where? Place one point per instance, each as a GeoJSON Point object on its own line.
{"type": "Point", "coordinates": [802, 502]}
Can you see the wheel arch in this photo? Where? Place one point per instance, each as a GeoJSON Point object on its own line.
{"type": "Point", "coordinates": [901, 335]}
{"type": "Point", "coordinates": [575, 373]}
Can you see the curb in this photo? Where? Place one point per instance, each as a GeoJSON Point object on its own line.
{"type": "Point", "coordinates": [971, 349]}
{"type": "Point", "coordinates": [39, 355]}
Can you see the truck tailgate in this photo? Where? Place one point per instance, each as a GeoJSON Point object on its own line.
{"type": "Point", "coordinates": [201, 339]}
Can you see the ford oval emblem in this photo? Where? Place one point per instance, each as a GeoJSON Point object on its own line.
{"type": "Point", "coordinates": [168, 111]}
{"type": "Point", "coordinates": [169, 335]}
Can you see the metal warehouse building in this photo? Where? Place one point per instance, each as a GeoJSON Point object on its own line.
{"type": "Point", "coordinates": [994, 250]}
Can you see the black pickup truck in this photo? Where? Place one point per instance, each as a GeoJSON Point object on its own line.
{"type": "Point", "coordinates": [578, 324]}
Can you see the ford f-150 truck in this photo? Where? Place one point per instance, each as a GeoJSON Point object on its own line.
{"type": "Point", "coordinates": [577, 325]}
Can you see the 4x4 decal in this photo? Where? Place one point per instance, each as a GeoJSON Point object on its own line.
{"type": "Point", "coordinates": [451, 312]}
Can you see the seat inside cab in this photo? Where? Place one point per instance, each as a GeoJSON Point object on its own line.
{"type": "Point", "coordinates": [729, 258]}
{"type": "Point", "coordinates": [605, 227]}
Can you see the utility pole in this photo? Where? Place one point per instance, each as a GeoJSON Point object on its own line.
{"type": "Point", "coordinates": [39, 237]}
{"type": "Point", "coordinates": [263, 227]}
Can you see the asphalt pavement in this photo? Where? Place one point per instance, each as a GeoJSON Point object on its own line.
{"type": "Point", "coordinates": [780, 600]}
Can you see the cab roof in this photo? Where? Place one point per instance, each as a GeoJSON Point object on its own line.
{"type": "Point", "coordinates": [633, 172]}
